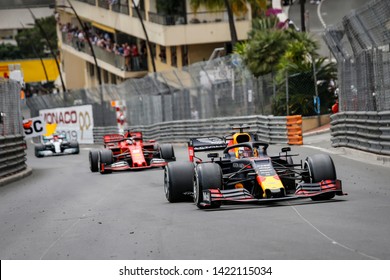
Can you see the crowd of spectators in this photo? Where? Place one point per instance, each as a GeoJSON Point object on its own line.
{"type": "Point", "coordinates": [134, 58]}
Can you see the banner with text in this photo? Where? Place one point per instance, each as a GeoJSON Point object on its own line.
{"type": "Point", "coordinates": [76, 122]}
{"type": "Point", "coordinates": [34, 127]}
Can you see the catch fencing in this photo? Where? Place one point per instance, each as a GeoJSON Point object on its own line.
{"type": "Point", "coordinates": [218, 88]}
{"type": "Point", "coordinates": [360, 44]}
{"type": "Point", "coordinates": [12, 144]}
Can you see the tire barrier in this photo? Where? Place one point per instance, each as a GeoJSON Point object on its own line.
{"type": "Point", "coordinates": [12, 144]}
{"type": "Point", "coordinates": [294, 130]}
{"type": "Point", "coordinates": [12, 155]}
{"type": "Point", "coordinates": [366, 131]}
{"type": "Point", "coordinates": [269, 129]}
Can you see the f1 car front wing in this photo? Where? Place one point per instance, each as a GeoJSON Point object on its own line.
{"type": "Point", "coordinates": [241, 195]}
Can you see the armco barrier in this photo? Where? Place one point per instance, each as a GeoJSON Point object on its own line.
{"type": "Point", "coordinates": [269, 129]}
{"type": "Point", "coordinates": [367, 131]}
{"type": "Point", "coordinates": [12, 155]}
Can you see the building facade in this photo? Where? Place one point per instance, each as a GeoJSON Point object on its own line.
{"type": "Point", "coordinates": [178, 36]}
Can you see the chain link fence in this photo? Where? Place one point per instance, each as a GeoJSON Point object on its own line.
{"type": "Point", "coordinates": [360, 44]}
{"type": "Point", "coordinates": [11, 115]}
{"type": "Point", "coordinates": [218, 88]}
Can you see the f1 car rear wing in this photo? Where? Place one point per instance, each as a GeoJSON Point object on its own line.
{"type": "Point", "coordinates": [202, 144]}
{"type": "Point", "coordinates": [111, 138]}
{"type": "Point", "coordinates": [116, 137]}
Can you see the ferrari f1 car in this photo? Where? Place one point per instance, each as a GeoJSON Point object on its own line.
{"type": "Point", "coordinates": [56, 144]}
{"type": "Point", "coordinates": [129, 152]}
{"type": "Point", "coordinates": [245, 173]}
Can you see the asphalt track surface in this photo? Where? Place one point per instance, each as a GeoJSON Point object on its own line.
{"type": "Point", "coordinates": [63, 211]}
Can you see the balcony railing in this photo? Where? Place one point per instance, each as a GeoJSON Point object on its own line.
{"type": "Point", "coordinates": [166, 19]}
{"type": "Point", "coordinates": [142, 12]}
{"type": "Point", "coordinates": [103, 4]}
{"type": "Point", "coordinates": [192, 18]}
{"type": "Point", "coordinates": [121, 6]}
{"type": "Point", "coordinates": [91, 2]}
{"type": "Point", "coordinates": [109, 57]}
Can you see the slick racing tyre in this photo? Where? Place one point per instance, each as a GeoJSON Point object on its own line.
{"type": "Point", "coordinates": [39, 148]}
{"type": "Point", "coordinates": [106, 158]}
{"type": "Point", "coordinates": [320, 167]}
{"type": "Point", "coordinates": [167, 152]}
{"type": "Point", "coordinates": [178, 181]}
{"type": "Point", "coordinates": [74, 145]}
{"type": "Point", "coordinates": [94, 160]}
{"type": "Point", "coordinates": [207, 176]}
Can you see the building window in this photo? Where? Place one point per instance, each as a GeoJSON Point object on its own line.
{"type": "Point", "coordinates": [153, 50]}
{"type": "Point", "coordinates": [105, 76]}
{"type": "Point", "coordinates": [173, 56]}
{"type": "Point", "coordinates": [113, 79]}
{"type": "Point", "coordinates": [91, 69]}
{"type": "Point", "coordinates": [163, 54]}
{"type": "Point", "coordinates": [184, 53]}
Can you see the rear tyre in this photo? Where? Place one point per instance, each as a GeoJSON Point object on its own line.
{"type": "Point", "coordinates": [167, 152]}
{"type": "Point", "coordinates": [39, 148]}
{"type": "Point", "coordinates": [106, 158]}
{"type": "Point", "coordinates": [320, 167]}
{"type": "Point", "coordinates": [207, 176]}
{"type": "Point", "coordinates": [94, 160]}
{"type": "Point", "coordinates": [178, 180]}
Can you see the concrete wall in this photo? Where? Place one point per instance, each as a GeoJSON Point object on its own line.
{"type": "Point", "coordinates": [312, 122]}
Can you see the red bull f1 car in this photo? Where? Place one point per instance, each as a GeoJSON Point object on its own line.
{"type": "Point", "coordinates": [55, 145]}
{"type": "Point", "coordinates": [129, 152]}
{"type": "Point", "coordinates": [245, 173]}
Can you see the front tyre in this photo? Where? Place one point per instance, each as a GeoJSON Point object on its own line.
{"type": "Point", "coordinates": [178, 181]}
{"type": "Point", "coordinates": [320, 167]}
{"type": "Point", "coordinates": [75, 145]}
{"type": "Point", "coordinates": [105, 158]}
{"type": "Point", "coordinates": [207, 176]}
{"type": "Point", "coordinates": [39, 148]}
{"type": "Point", "coordinates": [94, 160]}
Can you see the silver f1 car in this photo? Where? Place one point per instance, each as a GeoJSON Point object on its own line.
{"type": "Point", "coordinates": [55, 145]}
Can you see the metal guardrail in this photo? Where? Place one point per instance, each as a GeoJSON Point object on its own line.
{"type": "Point", "coordinates": [12, 155]}
{"type": "Point", "coordinates": [269, 129]}
{"type": "Point", "coordinates": [366, 131]}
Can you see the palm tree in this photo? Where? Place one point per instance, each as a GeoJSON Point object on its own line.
{"type": "Point", "coordinates": [264, 50]}
{"type": "Point", "coordinates": [297, 61]}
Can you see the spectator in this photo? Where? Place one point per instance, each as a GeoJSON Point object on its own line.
{"type": "Point", "coordinates": [135, 57]}
{"type": "Point", "coordinates": [81, 40]}
{"type": "Point", "coordinates": [335, 107]}
{"type": "Point", "coordinates": [194, 114]}
{"type": "Point", "coordinates": [127, 55]}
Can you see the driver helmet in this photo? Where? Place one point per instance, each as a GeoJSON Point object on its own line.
{"type": "Point", "coordinates": [241, 152]}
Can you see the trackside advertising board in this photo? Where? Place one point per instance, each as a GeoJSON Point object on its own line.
{"type": "Point", "coordinates": [34, 127]}
{"type": "Point", "coordinates": [76, 122]}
